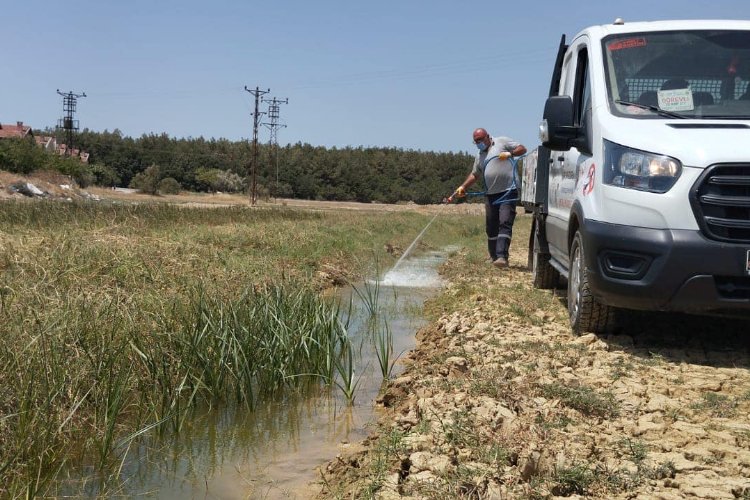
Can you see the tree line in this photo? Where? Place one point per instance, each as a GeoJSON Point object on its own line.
{"type": "Point", "coordinates": [155, 163]}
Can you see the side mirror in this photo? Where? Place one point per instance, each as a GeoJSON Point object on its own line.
{"type": "Point", "coordinates": [557, 130]}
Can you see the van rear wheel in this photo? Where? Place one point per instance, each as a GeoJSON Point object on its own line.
{"type": "Point", "coordinates": [586, 313]}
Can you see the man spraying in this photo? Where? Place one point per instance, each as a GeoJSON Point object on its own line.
{"type": "Point", "coordinates": [494, 166]}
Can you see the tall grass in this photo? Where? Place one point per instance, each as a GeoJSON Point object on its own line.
{"type": "Point", "coordinates": [116, 319]}
{"type": "Point", "coordinates": [207, 351]}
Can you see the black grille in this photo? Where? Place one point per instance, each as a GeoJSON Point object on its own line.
{"type": "Point", "coordinates": [721, 202]}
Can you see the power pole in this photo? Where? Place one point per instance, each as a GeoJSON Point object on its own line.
{"type": "Point", "coordinates": [257, 93]}
{"type": "Point", "coordinates": [273, 125]}
{"type": "Point", "coordinates": [67, 123]}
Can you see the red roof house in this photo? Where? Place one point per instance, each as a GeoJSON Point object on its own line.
{"type": "Point", "coordinates": [17, 131]}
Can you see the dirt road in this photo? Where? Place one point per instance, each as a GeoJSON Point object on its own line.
{"type": "Point", "coordinates": [499, 400]}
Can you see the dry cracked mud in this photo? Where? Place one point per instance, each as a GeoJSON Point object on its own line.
{"type": "Point", "coordinates": [500, 400]}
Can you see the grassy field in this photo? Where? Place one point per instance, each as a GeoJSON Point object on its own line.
{"type": "Point", "coordinates": [116, 319]}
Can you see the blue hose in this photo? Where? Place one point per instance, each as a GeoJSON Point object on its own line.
{"type": "Point", "coordinates": [514, 186]}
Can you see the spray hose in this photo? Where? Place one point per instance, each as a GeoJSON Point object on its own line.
{"type": "Point", "coordinates": [502, 199]}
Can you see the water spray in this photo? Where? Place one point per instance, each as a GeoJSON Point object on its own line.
{"type": "Point", "coordinates": [409, 249]}
{"type": "Point", "coordinates": [502, 199]}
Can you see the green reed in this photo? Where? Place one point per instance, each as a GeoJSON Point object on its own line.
{"type": "Point", "coordinates": [205, 351]}
{"type": "Point", "coordinates": [116, 320]}
{"type": "Point", "coordinates": [383, 342]}
{"type": "Point", "coordinates": [344, 363]}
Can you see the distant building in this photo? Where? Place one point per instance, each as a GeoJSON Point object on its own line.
{"type": "Point", "coordinates": [17, 131]}
{"type": "Point", "coordinates": [21, 131]}
{"type": "Point", "coordinates": [47, 142]}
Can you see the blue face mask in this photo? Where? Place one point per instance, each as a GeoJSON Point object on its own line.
{"type": "Point", "coordinates": [482, 146]}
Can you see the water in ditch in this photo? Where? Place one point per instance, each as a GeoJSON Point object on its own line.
{"type": "Point", "coordinates": [273, 450]}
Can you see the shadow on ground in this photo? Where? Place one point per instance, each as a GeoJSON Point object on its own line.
{"type": "Point", "coordinates": [705, 340]}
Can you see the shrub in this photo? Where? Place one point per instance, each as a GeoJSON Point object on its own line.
{"type": "Point", "coordinates": [214, 179]}
{"type": "Point", "coordinates": [105, 175]}
{"type": "Point", "coordinates": [147, 181]}
{"type": "Point", "coordinates": [169, 185]}
{"type": "Point", "coordinates": [79, 171]}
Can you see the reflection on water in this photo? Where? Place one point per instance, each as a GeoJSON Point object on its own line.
{"type": "Point", "coordinates": [273, 450]}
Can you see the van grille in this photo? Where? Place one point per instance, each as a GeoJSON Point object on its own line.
{"type": "Point", "coordinates": [721, 202]}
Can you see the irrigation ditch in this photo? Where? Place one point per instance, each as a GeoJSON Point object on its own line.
{"type": "Point", "coordinates": [272, 449]}
{"type": "Point", "coordinates": [141, 340]}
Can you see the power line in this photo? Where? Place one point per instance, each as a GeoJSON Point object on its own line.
{"type": "Point", "coordinates": [67, 123]}
{"type": "Point", "coordinates": [257, 93]}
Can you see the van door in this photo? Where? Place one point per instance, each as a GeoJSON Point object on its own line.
{"type": "Point", "coordinates": [565, 165]}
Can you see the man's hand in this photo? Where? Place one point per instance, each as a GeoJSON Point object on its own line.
{"type": "Point", "coordinates": [460, 192]}
{"type": "Point", "coordinates": [504, 155]}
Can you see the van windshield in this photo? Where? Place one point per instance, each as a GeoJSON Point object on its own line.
{"type": "Point", "coordinates": [679, 74]}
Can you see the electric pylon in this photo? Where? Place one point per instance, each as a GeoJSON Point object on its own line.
{"type": "Point", "coordinates": [257, 93]}
{"type": "Point", "coordinates": [67, 123]}
{"type": "Point", "coordinates": [273, 125]}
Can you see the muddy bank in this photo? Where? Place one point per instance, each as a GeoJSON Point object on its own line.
{"type": "Point", "coordinates": [499, 400]}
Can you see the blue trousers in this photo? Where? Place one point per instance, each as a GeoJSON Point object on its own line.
{"type": "Point", "coordinates": [499, 218]}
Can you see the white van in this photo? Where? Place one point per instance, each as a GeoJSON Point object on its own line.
{"type": "Point", "coordinates": [641, 188]}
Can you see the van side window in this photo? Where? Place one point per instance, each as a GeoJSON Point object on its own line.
{"type": "Point", "coordinates": [582, 97]}
{"type": "Point", "coordinates": [567, 75]}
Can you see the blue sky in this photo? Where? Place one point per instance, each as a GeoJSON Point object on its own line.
{"type": "Point", "coordinates": [409, 74]}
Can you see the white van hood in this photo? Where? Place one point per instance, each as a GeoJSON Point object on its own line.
{"type": "Point", "coordinates": [710, 142]}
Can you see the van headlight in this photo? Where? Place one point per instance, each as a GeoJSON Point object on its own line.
{"type": "Point", "coordinates": [636, 169]}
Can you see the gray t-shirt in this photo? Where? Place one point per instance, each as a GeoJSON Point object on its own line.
{"type": "Point", "coordinates": [497, 175]}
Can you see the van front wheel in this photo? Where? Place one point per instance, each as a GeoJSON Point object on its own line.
{"type": "Point", "coordinates": [586, 313]}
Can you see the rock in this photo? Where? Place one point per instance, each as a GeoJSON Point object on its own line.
{"type": "Point", "coordinates": [422, 477]}
{"type": "Point", "coordinates": [425, 461]}
{"type": "Point", "coordinates": [587, 339]}
{"type": "Point", "coordinates": [645, 425]}
{"type": "Point", "coordinates": [26, 189]}
{"type": "Point", "coordinates": [599, 345]}
{"type": "Point", "coordinates": [408, 421]}
{"type": "Point", "coordinates": [456, 366]}
{"type": "Point", "coordinates": [417, 442]}
{"type": "Point", "coordinates": [692, 429]}
{"type": "Point", "coordinates": [496, 491]}
{"type": "Point", "coordinates": [530, 465]}
{"type": "Point", "coordinates": [657, 402]}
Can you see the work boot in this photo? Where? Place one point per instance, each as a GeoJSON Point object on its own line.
{"type": "Point", "coordinates": [500, 262]}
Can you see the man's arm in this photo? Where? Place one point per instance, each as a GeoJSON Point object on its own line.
{"type": "Point", "coordinates": [470, 179]}
{"type": "Point", "coordinates": [460, 191]}
{"type": "Point", "coordinates": [517, 151]}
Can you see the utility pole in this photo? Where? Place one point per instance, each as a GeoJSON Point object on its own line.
{"type": "Point", "coordinates": [257, 93]}
{"type": "Point", "coordinates": [273, 124]}
{"type": "Point", "coordinates": [67, 123]}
